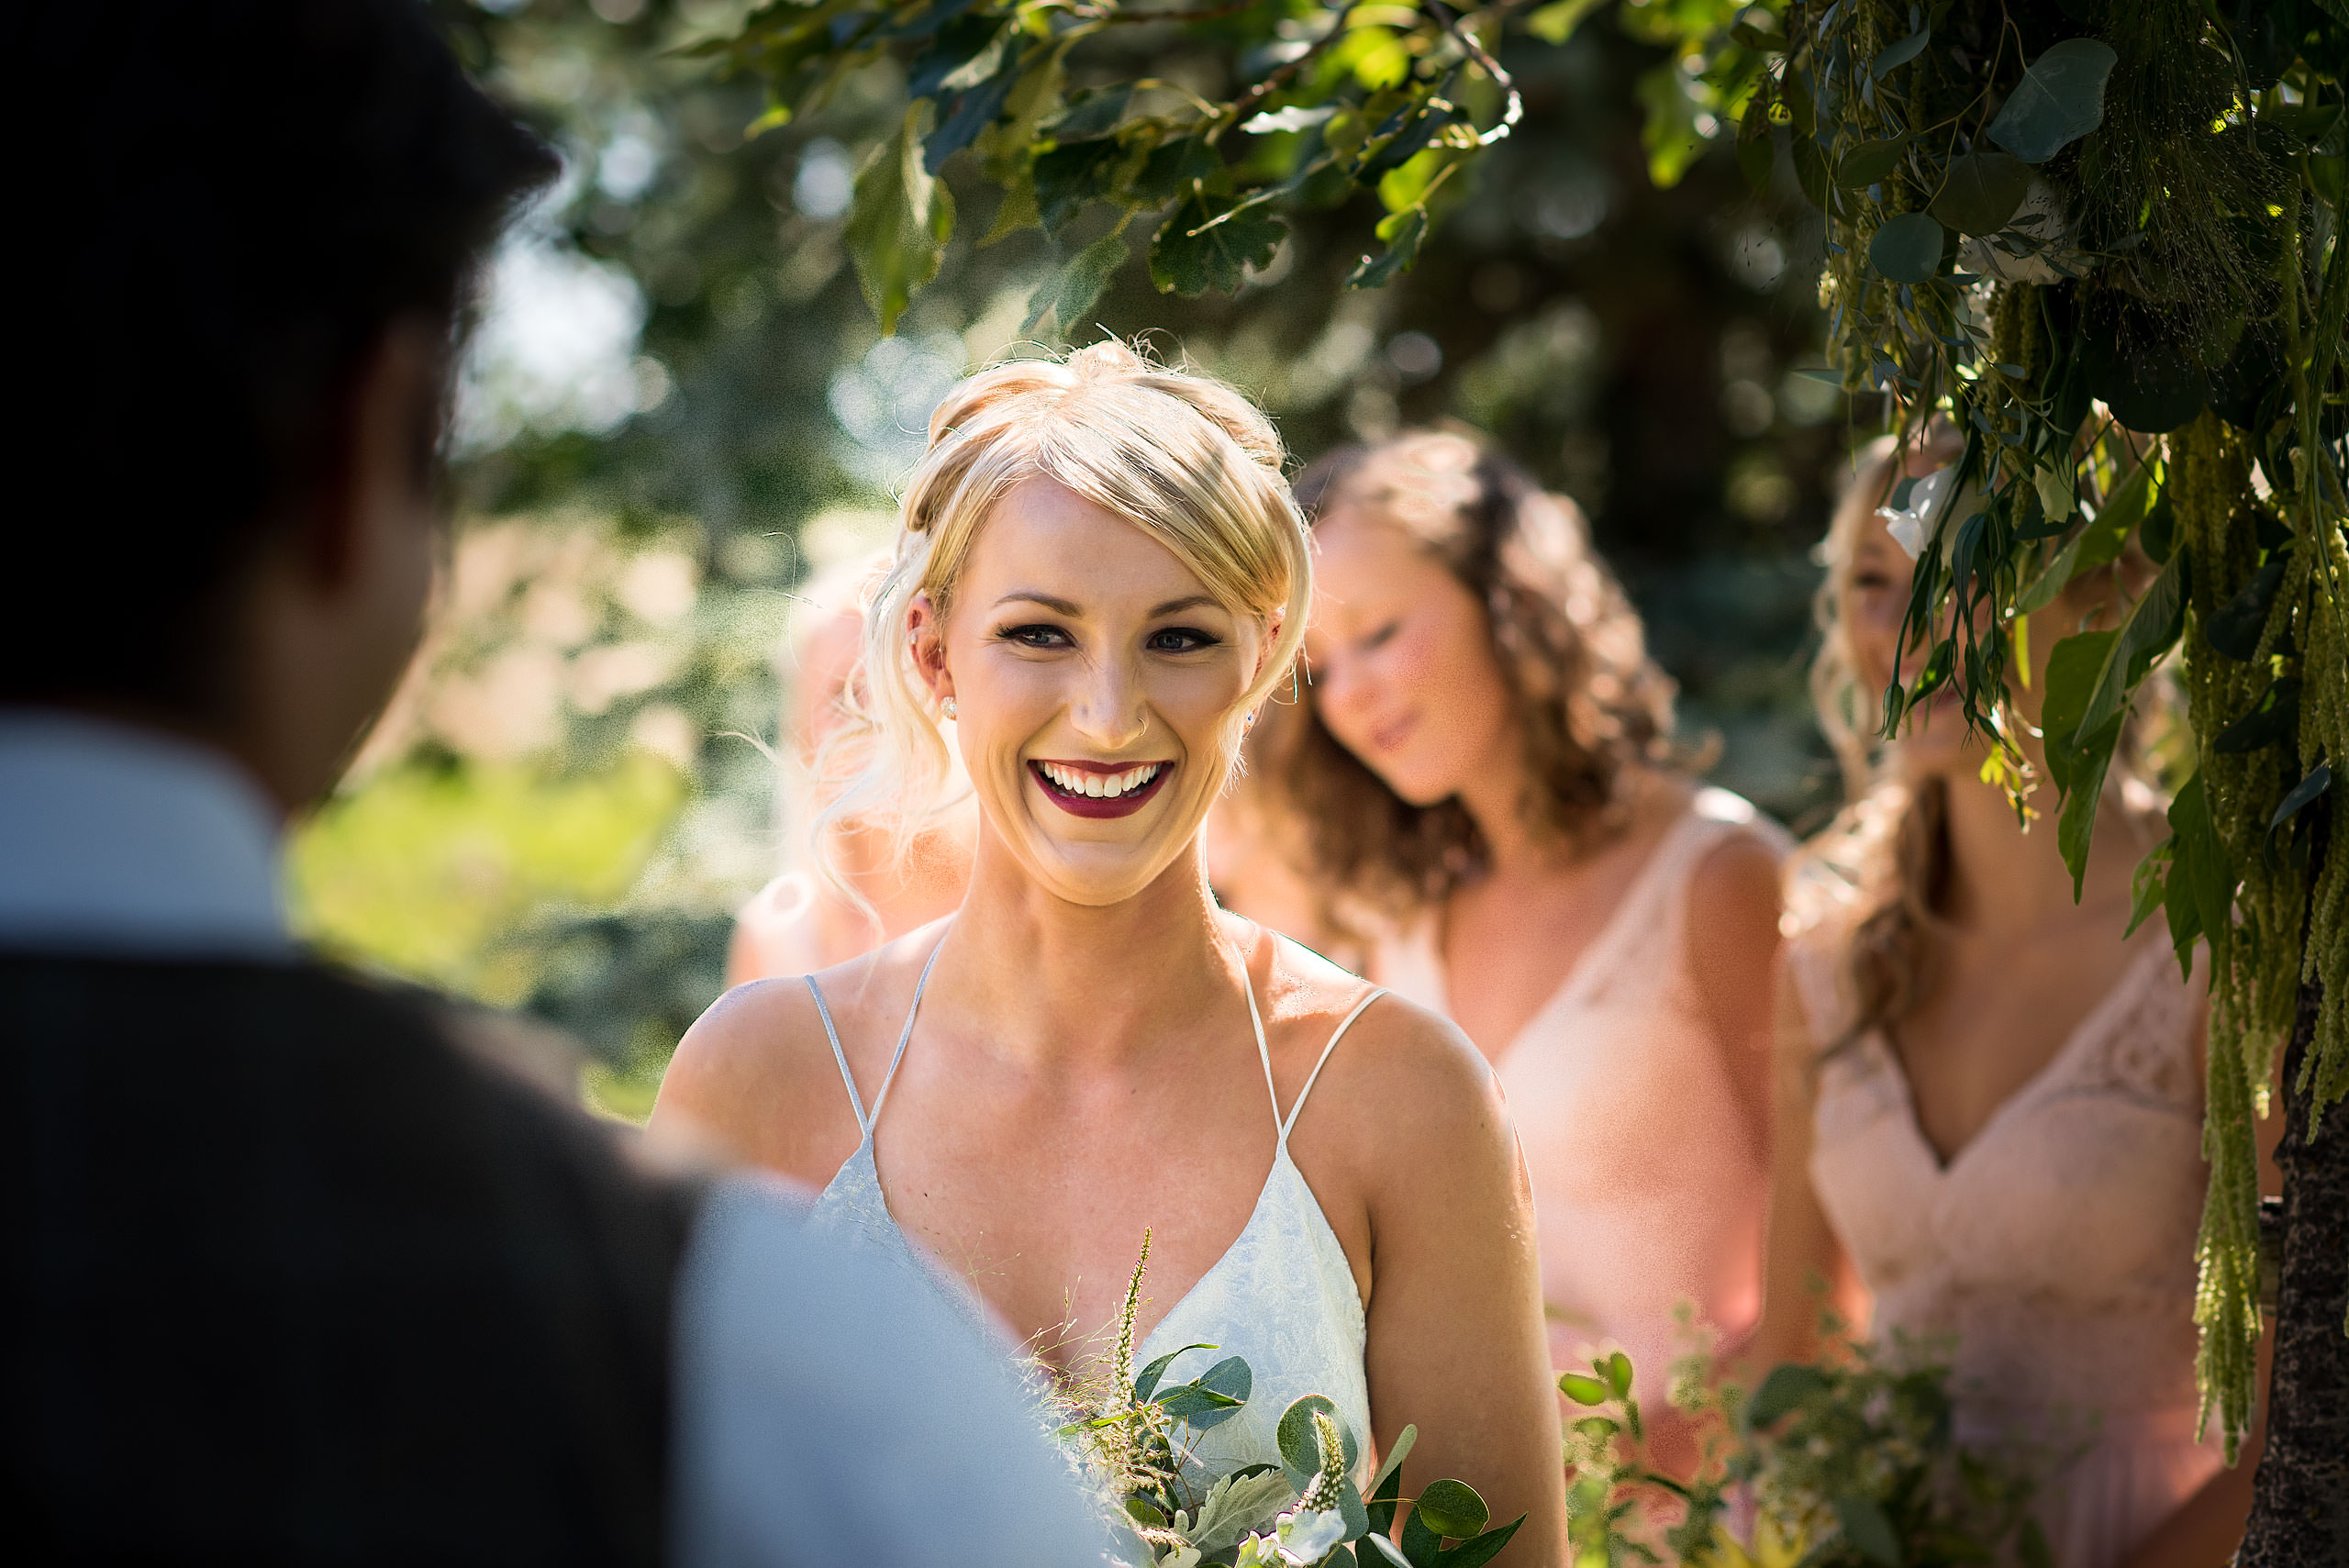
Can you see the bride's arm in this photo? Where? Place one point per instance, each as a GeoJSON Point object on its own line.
{"type": "Point", "coordinates": [1457, 1345]}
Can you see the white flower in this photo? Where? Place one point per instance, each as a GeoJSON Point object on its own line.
{"type": "Point", "coordinates": [1307, 1535]}
{"type": "Point", "coordinates": [1259, 1552]}
{"type": "Point", "coordinates": [1912, 525]}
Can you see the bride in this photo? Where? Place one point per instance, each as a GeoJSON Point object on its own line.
{"type": "Point", "coordinates": [1099, 578]}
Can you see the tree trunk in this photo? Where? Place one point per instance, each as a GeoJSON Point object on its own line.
{"type": "Point", "coordinates": [2299, 1511]}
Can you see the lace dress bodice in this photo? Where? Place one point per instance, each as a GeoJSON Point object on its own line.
{"type": "Point", "coordinates": [1282, 1296]}
{"type": "Point", "coordinates": [2053, 1257]}
{"type": "Point", "coordinates": [1648, 1187]}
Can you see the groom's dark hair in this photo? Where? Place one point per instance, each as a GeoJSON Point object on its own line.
{"type": "Point", "coordinates": [223, 205]}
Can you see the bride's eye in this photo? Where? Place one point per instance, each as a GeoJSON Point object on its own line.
{"type": "Point", "coordinates": [1037, 634]}
{"type": "Point", "coordinates": [1181, 640]}
{"type": "Point", "coordinates": [1383, 635]}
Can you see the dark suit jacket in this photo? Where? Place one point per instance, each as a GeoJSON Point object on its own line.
{"type": "Point", "coordinates": [289, 1275]}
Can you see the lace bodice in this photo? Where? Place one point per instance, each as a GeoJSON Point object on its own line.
{"type": "Point", "coordinates": [2054, 1255]}
{"type": "Point", "coordinates": [1283, 1296]}
{"type": "Point", "coordinates": [1649, 1186]}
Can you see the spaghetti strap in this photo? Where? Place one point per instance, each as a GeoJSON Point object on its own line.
{"type": "Point", "coordinates": [863, 1127]}
{"type": "Point", "coordinates": [864, 1123]}
{"type": "Point", "coordinates": [1335, 1036]}
{"type": "Point", "coordinates": [907, 1033]}
{"type": "Point", "coordinates": [1264, 1051]}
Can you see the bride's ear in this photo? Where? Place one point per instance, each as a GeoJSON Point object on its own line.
{"type": "Point", "coordinates": [926, 634]}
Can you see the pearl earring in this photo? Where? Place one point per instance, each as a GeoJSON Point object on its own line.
{"type": "Point", "coordinates": [947, 707]}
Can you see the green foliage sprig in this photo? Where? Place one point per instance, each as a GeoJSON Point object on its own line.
{"type": "Point", "coordinates": [1138, 1438]}
{"type": "Point", "coordinates": [1851, 1462]}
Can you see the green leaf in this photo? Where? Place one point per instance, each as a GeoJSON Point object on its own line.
{"type": "Point", "coordinates": [1387, 1550]}
{"type": "Point", "coordinates": [2098, 544]}
{"type": "Point", "coordinates": [1171, 167]}
{"type": "Point", "coordinates": [1092, 112]}
{"type": "Point", "coordinates": [1193, 252]}
{"type": "Point", "coordinates": [1389, 1480]}
{"type": "Point", "coordinates": [1907, 248]}
{"type": "Point", "coordinates": [1788, 1385]}
{"type": "Point", "coordinates": [1376, 271]}
{"type": "Point", "coordinates": [2059, 100]}
{"type": "Point", "coordinates": [2073, 666]}
{"type": "Point", "coordinates": [2276, 717]}
{"type": "Point", "coordinates": [1870, 162]}
{"type": "Point", "coordinates": [1892, 57]}
{"type": "Point", "coordinates": [1420, 1545]}
{"type": "Point", "coordinates": [975, 110]}
{"type": "Point", "coordinates": [2149, 884]}
{"type": "Point", "coordinates": [2154, 623]}
{"type": "Point", "coordinates": [1618, 1375]}
{"type": "Point", "coordinates": [2201, 883]}
{"type": "Point", "coordinates": [1981, 191]}
{"type": "Point", "coordinates": [2307, 790]}
{"type": "Point", "coordinates": [1300, 1449]}
{"type": "Point", "coordinates": [897, 234]}
{"type": "Point", "coordinates": [2091, 757]}
{"type": "Point", "coordinates": [1214, 1397]}
{"type": "Point", "coordinates": [1668, 124]}
{"type": "Point", "coordinates": [1452, 1508]}
{"type": "Point", "coordinates": [1555, 23]}
{"type": "Point", "coordinates": [1147, 1381]}
{"type": "Point", "coordinates": [1868, 1531]}
{"type": "Point", "coordinates": [1073, 173]}
{"type": "Point", "coordinates": [1583, 1390]}
{"type": "Point", "coordinates": [1483, 1548]}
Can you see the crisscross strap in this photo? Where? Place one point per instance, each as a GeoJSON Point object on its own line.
{"type": "Point", "coordinates": [864, 1123]}
{"type": "Point", "coordinates": [1263, 1053]}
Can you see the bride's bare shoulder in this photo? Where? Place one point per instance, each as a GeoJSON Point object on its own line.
{"type": "Point", "coordinates": [756, 1075]}
{"type": "Point", "coordinates": [1393, 1051]}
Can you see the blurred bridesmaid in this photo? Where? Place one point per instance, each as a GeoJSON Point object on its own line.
{"type": "Point", "coordinates": [1990, 1113]}
{"type": "Point", "coordinates": [1488, 765]}
{"type": "Point", "coordinates": [801, 922]}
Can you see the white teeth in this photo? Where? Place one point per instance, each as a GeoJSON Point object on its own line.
{"type": "Point", "coordinates": [1101, 787]}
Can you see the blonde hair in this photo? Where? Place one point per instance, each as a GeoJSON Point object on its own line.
{"type": "Point", "coordinates": [1185, 459]}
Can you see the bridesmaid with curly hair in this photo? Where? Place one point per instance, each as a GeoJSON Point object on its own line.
{"type": "Point", "coordinates": [1487, 771]}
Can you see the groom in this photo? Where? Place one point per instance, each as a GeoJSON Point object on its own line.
{"type": "Point", "coordinates": [287, 1274]}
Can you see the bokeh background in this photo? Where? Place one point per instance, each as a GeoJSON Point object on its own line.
{"type": "Point", "coordinates": [678, 409]}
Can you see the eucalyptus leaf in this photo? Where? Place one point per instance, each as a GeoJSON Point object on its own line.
{"type": "Point", "coordinates": [1390, 1469]}
{"type": "Point", "coordinates": [1981, 191]}
{"type": "Point", "coordinates": [1300, 1449]}
{"type": "Point", "coordinates": [1869, 163]}
{"type": "Point", "coordinates": [1214, 1397]}
{"type": "Point", "coordinates": [1908, 249]}
{"type": "Point", "coordinates": [1388, 1551]}
{"type": "Point", "coordinates": [1893, 56]}
{"type": "Point", "coordinates": [2059, 100]}
{"type": "Point", "coordinates": [1452, 1508]}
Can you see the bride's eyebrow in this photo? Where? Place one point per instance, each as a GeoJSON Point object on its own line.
{"type": "Point", "coordinates": [1187, 601]}
{"type": "Point", "coordinates": [1027, 595]}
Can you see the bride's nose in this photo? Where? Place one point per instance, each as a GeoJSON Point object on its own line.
{"type": "Point", "coordinates": [1108, 709]}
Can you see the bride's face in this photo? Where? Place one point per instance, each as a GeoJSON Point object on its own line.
{"type": "Point", "coordinates": [1093, 676]}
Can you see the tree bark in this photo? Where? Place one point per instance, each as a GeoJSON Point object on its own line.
{"type": "Point", "coordinates": [2299, 1511]}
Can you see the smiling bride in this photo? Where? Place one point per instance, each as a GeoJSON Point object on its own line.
{"type": "Point", "coordinates": [1099, 578]}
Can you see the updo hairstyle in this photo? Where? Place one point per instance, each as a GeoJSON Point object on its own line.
{"type": "Point", "coordinates": [1185, 459]}
{"type": "Point", "coordinates": [1590, 703]}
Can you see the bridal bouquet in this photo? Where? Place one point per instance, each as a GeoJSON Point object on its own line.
{"type": "Point", "coordinates": [1135, 1437]}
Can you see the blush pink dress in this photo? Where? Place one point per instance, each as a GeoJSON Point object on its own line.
{"type": "Point", "coordinates": [2054, 1255]}
{"type": "Point", "coordinates": [1649, 1189]}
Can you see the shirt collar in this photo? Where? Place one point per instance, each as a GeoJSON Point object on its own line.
{"type": "Point", "coordinates": [121, 839]}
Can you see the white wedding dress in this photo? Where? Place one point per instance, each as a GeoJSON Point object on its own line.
{"type": "Point", "coordinates": [1282, 1296]}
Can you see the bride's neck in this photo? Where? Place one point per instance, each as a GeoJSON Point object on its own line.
{"type": "Point", "coordinates": [1062, 982]}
